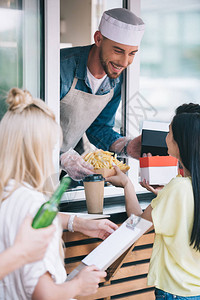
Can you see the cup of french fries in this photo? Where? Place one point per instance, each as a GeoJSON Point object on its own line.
{"type": "Point", "coordinates": [104, 162]}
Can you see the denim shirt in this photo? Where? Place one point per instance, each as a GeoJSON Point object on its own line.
{"type": "Point", "coordinates": [73, 63]}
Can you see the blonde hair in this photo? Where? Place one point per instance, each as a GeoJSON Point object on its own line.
{"type": "Point", "coordinates": [28, 133]}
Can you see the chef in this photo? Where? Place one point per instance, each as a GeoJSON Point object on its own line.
{"type": "Point", "coordinates": [90, 89]}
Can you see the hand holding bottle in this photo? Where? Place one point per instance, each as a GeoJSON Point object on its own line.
{"type": "Point", "coordinates": [31, 243]}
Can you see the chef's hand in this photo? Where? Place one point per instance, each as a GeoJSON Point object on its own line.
{"type": "Point", "coordinates": [125, 147]}
{"type": "Point", "coordinates": [134, 147]}
{"type": "Point", "coordinates": [74, 165]}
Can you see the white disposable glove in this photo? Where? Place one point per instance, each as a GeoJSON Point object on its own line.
{"type": "Point", "coordinates": [75, 166]}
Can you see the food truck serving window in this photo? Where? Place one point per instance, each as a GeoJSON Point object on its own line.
{"type": "Point", "coordinates": [165, 73]}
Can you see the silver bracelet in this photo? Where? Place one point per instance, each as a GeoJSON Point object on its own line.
{"type": "Point", "coordinates": [123, 152]}
{"type": "Point", "coordinates": [70, 223]}
{"type": "Point", "coordinates": [125, 148]}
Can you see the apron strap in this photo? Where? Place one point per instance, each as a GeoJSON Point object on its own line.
{"type": "Point", "coordinates": [74, 83]}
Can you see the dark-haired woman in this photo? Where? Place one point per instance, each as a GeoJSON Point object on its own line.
{"type": "Point", "coordinates": [175, 213]}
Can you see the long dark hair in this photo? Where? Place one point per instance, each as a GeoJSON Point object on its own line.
{"type": "Point", "coordinates": [186, 133]}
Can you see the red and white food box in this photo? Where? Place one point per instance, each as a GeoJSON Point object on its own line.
{"type": "Point", "coordinates": [158, 170]}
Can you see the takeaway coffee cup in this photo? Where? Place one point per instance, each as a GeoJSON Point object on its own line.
{"type": "Point", "coordinates": [94, 193]}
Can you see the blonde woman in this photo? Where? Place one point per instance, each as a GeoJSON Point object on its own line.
{"type": "Point", "coordinates": [28, 134]}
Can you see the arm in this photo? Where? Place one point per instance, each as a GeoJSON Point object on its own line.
{"type": "Point", "coordinates": [67, 70]}
{"type": "Point", "coordinates": [30, 245]}
{"type": "Point", "coordinates": [10, 260]}
{"type": "Point", "coordinates": [131, 201]}
{"type": "Point", "coordinates": [147, 215]}
{"type": "Point", "coordinates": [85, 283]}
{"type": "Point", "coordinates": [93, 228]}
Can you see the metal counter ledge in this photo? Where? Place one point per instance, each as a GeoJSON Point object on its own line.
{"type": "Point", "coordinates": [113, 205]}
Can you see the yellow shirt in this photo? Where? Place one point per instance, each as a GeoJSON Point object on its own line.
{"type": "Point", "coordinates": [174, 265]}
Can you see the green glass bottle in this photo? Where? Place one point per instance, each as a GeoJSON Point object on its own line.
{"type": "Point", "coordinates": [47, 212]}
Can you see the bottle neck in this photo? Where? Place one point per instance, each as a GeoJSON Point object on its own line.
{"type": "Point", "coordinates": [57, 195]}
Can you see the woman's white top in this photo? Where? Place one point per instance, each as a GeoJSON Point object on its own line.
{"type": "Point", "coordinates": [20, 284]}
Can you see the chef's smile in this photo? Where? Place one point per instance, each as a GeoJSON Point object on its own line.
{"type": "Point", "coordinates": [116, 68]}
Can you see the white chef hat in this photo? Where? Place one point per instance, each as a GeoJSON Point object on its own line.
{"type": "Point", "coordinates": [122, 26]}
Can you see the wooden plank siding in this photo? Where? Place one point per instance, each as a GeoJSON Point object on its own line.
{"type": "Point", "coordinates": [130, 280]}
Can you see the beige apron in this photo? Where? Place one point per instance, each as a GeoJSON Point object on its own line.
{"type": "Point", "coordinates": [78, 110]}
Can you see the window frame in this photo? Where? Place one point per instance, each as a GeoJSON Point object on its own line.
{"type": "Point", "coordinates": [52, 65]}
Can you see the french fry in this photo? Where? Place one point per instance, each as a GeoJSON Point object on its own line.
{"type": "Point", "coordinates": [100, 159]}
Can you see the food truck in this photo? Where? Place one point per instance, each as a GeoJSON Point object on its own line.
{"type": "Point", "coordinates": [32, 36]}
